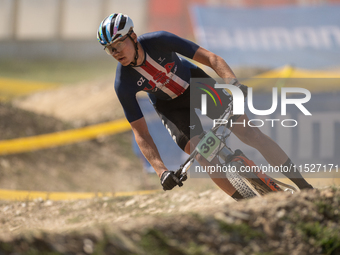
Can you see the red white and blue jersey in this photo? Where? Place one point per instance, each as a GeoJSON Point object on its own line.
{"type": "Point", "coordinates": [164, 75]}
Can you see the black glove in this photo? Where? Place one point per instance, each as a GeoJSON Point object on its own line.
{"type": "Point", "coordinates": [169, 180]}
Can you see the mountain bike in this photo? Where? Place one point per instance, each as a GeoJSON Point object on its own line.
{"type": "Point", "coordinates": [248, 179]}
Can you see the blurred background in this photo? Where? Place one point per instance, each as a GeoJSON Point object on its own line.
{"type": "Point", "coordinates": [54, 76]}
{"type": "Point", "coordinates": [62, 29]}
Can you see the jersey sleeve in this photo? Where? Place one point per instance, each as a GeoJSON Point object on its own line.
{"type": "Point", "coordinates": [174, 43]}
{"type": "Point", "coordinates": [128, 99]}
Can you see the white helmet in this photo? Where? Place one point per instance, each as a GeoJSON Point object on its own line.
{"type": "Point", "coordinates": [114, 27]}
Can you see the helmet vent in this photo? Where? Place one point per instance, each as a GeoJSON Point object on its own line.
{"type": "Point", "coordinates": [122, 23]}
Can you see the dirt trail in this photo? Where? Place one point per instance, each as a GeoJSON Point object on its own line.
{"type": "Point", "coordinates": [82, 103]}
{"type": "Point", "coordinates": [177, 222]}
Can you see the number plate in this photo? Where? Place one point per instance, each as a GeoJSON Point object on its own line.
{"type": "Point", "coordinates": [209, 146]}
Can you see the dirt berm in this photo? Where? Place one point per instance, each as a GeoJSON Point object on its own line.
{"type": "Point", "coordinates": [194, 219]}
{"type": "Point", "coordinates": [175, 223]}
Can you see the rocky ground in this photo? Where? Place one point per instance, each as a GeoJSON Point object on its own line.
{"type": "Point", "coordinates": [179, 222]}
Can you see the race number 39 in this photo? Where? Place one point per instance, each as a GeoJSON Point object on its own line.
{"type": "Point", "coordinates": [209, 146]}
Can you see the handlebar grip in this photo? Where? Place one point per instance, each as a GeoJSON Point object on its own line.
{"type": "Point", "coordinates": [180, 176]}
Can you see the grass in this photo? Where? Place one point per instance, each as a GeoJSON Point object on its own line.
{"type": "Point", "coordinates": [57, 71]}
{"type": "Point", "coordinates": [154, 243]}
{"type": "Point", "coordinates": [76, 219]}
{"type": "Point", "coordinates": [323, 236]}
{"type": "Point", "coordinates": [241, 231]}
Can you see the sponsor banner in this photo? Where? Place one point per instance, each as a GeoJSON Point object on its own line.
{"type": "Point", "coordinates": [306, 37]}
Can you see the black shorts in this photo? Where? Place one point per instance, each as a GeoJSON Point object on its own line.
{"type": "Point", "coordinates": [179, 116]}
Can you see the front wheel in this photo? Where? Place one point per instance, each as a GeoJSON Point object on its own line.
{"type": "Point", "coordinates": [241, 184]}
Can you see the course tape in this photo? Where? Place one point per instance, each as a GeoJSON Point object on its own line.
{"type": "Point", "coordinates": [295, 77]}
{"type": "Point", "coordinates": [16, 195]}
{"type": "Point", "coordinates": [294, 72]}
{"type": "Point", "coordinates": [62, 138]}
{"type": "Point", "coordinates": [10, 88]}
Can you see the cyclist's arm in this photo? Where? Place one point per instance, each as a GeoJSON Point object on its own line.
{"type": "Point", "coordinates": [215, 62]}
{"type": "Point", "coordinates": [147, 145]}
{"type": "Point", "coordinates": [197, 53]}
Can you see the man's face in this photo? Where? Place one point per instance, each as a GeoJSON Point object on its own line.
{"type": "Point", "coordinates": [122, 50]}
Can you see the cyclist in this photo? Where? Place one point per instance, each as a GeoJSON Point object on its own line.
{"type": "Point", "coordinates": [150, 63]}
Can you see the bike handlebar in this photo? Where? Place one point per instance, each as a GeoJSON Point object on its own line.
{"type": "Point", "coordinates": [181, 173]}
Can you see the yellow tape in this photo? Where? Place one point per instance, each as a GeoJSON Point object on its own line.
{"type": "Point", "coordinates": [62, 138]}
{"type": "Point", "coordinates": [279, 78]}
{"type": "Point", "coordinates": [292, 72]}
{"type": "Point", "coordinates": [17, 195]}
{"type": "Point", "coordinates": [10, 88]}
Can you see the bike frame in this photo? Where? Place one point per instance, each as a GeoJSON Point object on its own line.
{"type": "Point", "coordinates": [211, 145]}
{"type": "Point", "coordinates": [224, 152]}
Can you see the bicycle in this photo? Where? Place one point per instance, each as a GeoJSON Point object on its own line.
{"type": "Point", "coordinates": [247, 183]}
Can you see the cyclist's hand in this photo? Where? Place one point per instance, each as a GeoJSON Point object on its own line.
{"type": "Point", "coordinates": [244, 89]}
{"type": "Point", "coordinates": [169, 180]}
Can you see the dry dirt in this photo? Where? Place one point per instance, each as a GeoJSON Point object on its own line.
{"type": "Point", "coordinates": [82, 103]}
{"type": "Point", "coordinates": [178, 222]}
{"type": "Point", "coordinates": [194, 219]}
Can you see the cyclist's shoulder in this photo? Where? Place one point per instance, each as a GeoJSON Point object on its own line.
{"type": "Point", "coordinates": [157, 35]}
{"type": "Point", "coordinates": [124, 71]}
{"type": "Point", "coordinates": [125, 75]}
